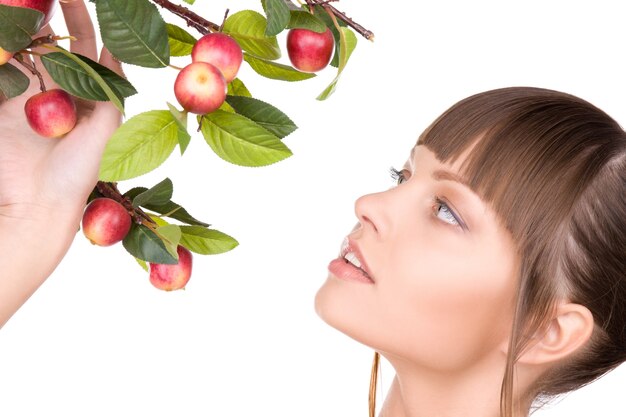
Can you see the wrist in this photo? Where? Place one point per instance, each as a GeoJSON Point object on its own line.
{"type": "Point", "coordinates": [33, 241]}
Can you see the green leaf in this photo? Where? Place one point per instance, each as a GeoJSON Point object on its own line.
{"type": "Point", "coordinates": [159, 194]}
{"type": "Point", "coordinates": [247, 27]}
{"type": "Point", "coordinates": [181, 119]}
{"type": "Point", "coordinates": [170, 209]}
{"type": "Point", "coordinates": [241, 141]}
{"type": "Point", "coordinates": [144, 244]}
{"type": "Point", "coordinates": [277, 16]}
{"type": "Point", "coordinates": [170, 235]}
{"type": "Point", "coordinates": [181, 42]}
{"type": "Point", "coordinates": [18, 25]}
{"type": "Point", "coordinates": [142, 264]}
{"type": "Point", "coordinates": [237, 88]}
{"type": "Point", "coordinates": [275, 70]}
{"type": "Point", "coordinates": [302, 19]}
{"type": "Point", "coordinates": [206, 241]}
{"type": "Point", "coordinates": [75, 79]}
{"type": "Point", "coordinates": [110, 93]}
{"type": "Point", "coordinates": [189, 1]}
{"type": "Point", "coordinates": [290, 5]}
{"type": "Point", "coordinates": [134, 32]}
{"type": "Point", "coordinates": [347, 44]}
{"type": "Point", "coordinates": [264, 114]}
{"type": "Point", "coordinates": [175, 211]}
{"type": "Point", "coordinates": [140, 145]}
{"type": "Point", "coordinates": [158, 220]}
{"type": "Point", "coordinates": [13, 82]}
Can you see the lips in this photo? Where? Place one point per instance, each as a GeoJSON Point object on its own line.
{"type": "Point", "coordinates": [352, 254]}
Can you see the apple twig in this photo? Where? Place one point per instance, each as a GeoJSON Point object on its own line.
{"type": "Point", "coordinates": [20, 59]}
{"type": "Point", "coordinates": [224, 20]}
{"type": "Point", "coordinates": [367, 34]}
{"type": "Point", "coordinates": [109, 190]}
{"type": "Point", "coordinates": [204, 26]}
{"type": "Point", "coordinates": [194, 20]}
{"type": "Point", "coordinates": [48, 39]}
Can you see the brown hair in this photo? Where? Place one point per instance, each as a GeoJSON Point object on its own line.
{"type": "Point", "coordinates": [553, 168]}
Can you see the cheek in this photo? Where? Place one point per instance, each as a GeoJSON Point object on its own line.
{"type": "Point", "coordinates": [446, 307]}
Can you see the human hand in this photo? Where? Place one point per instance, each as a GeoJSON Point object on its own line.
{"type": "Point", "coordinates": [40, 175]}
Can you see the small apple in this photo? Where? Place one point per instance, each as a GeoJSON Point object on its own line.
{"type": "Point", "coordinates": [51, 113]}
{"type": "Point", "coordinates": [200, 88]}
{"type": "Point", "coordinates": [310, 51]}
{"type": "Point", "coordinates": [169, 277]}
{"type": "Point", "coordinates": [220, 50]}
{"type": "Point", "coordinates": [47, 7]}
{"type": "Point", "coordinates": [5, 56]}
{"type": "Point", "coordinates": [105, 222]}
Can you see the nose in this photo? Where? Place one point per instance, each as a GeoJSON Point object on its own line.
{"type": "Point", "coordinates": [372, 213]}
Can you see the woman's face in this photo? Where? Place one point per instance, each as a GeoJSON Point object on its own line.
{"type": "Point", "coordinates": [442, 271]}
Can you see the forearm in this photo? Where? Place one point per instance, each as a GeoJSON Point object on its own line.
{"type": "Point", "coordinates": [31, 247]}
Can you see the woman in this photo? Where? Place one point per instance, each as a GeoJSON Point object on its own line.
{"type": "Point", "coordinates": [483, 296]}
{"type": "Point", "coordinates": [494, 274]}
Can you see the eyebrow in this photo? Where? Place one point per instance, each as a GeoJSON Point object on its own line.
{"type": "Point", "coordinates": [442, 174]}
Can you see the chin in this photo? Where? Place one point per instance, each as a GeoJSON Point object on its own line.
{"type": "Point", "coordinates": [340, 308]}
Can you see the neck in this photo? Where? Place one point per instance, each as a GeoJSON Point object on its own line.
{"type": "Point", "coordinates": [474, 392]}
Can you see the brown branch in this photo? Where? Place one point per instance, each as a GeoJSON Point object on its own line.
{"type": "Point", "coordinates": [204, 26]}
{"type": "Point", "coordinates": [20, 58]}
{"type": "Point", "coordinates": [196, 21]}
{"type": "Point", "coordinates": [367, 34]}
{"type": "Point", "coordinates": [109, 190]}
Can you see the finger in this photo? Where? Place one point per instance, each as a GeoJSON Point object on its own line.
{"type": "Point", "coordinates": [80, 26]}
{"type": "Point", "coordinates": [109, 61]}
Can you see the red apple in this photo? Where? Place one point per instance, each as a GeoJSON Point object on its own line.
{"type": "Point", "coordinates": [47, 7]}
{"type": "Point", "coordinates": [105, 222]}
{"type": "Point", "coordinates": [221, 51]}
{"type": "Point", "coordinates": [310, 51]}
{"type": "Point", "coordinates": [200, 88]}
{"type": "Point", "coordinates": [170, 277]}
{"type": "Point", "coordinates": [51, 113]}
{"type": "Point", "coordinates": [5, 56]}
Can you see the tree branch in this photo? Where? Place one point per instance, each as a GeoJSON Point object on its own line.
{"type": "Point", "coordinates": [194, 20]}
{"type": "Point", "coordinates": [31, 67]}
{"type": "Point", "coordinates": [367, 34]}
{"type": "Point", "coordinates": [109, 190]}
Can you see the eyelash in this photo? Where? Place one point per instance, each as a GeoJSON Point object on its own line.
{"type": "Point", "coordinates": [398, 177]}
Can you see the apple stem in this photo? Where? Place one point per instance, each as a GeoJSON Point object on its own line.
{"type": "Point", "coordinates": [20, 58]}
{"type": "Point", "coordinates": [197, 22]}
{"type": "Point", "coordinates": [43, 40]}
{"type": "Point", "coordinates": [367, 34]}
{"type": "Point", "coordinates": [200, 123]}
{"type": "Point", "coordinates": [224, 20]}
{"type": "Point", "coordinates": [109, 190]}
{"type": "Point", "coordinates": [175, 67]}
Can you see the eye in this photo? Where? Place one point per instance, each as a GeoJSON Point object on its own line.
{"type": "Point", "coordinates": [444, 213]}
{"type": "Point", "coordinates": [397, 176]}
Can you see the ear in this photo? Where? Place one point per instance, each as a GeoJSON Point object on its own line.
{"type": "Point", "coordinates": [570, 329]}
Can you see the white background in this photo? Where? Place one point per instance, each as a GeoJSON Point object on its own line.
{"type": "Point", "coordinates": [243, 339]}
